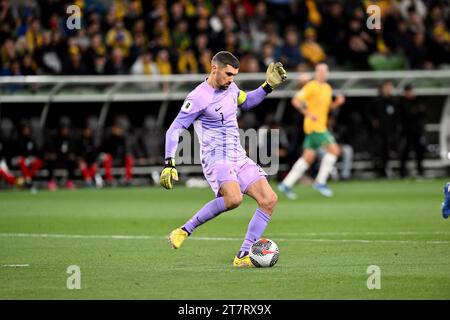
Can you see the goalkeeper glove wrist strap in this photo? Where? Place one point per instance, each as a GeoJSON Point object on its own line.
{"type": "Point", "coordinates": [267, 88]}
{"type": "Point", "coordinates": [169, 162]}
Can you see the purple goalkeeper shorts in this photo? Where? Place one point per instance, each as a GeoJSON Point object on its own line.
{"type": "Point", "coordinates": [245, 172]}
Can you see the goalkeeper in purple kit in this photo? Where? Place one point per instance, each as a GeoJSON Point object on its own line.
{"type": "Point", "coordinates": [212, 108]}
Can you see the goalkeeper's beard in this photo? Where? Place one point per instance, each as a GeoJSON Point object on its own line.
{"type": "Point", "coordinates": [225, 86]}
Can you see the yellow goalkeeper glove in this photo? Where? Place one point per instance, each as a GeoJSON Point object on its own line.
{"type": "Point", "coordinates": [275, 75]}
{"type": "Point", "coordinates": [168, 174]}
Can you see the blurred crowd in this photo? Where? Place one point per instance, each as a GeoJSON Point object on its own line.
{"type": "Point", "coordinates": [180, 36]}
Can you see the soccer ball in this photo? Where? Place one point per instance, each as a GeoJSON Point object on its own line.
{"type": "Point", "coordinates": [264, 253]}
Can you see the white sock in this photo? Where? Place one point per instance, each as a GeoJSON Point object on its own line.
{"type": "Point", "coordinates": [3, 166]}
{"type": "Point", "coordinates": [326, 166]}
{"type": "Point", "coordinates": [296, 172]}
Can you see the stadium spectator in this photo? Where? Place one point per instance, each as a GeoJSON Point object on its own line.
{"type": "Point", "coordinates": [359, 45]}
{"type": "Point", "coordinates": [311, 50]}
{"type": "Point", "coordinates": [332, 31]}
{"type": "Point", "coordinates": [205, 61]}
{"type": "Point", "coordinates": [8, 55]}
{"type": "Point", "coordinates": [416, 5]}
{"type": "Point", "coordinates": [289, 53]}
{"type": "Point", "coordinates": [99, 65]}
{"type": "Point", "coordinates": [266, 57]}
{"type": "Point", "coordinates": [249, 64]}
{"type": "Point", "coordinates": [96, 49]}
{"type": "Point", "coordinates": [116, 64]}
{"type": "Point", "coordinates": [181, 37]}
{"type": "Point", "coordinates": [28, 66]}
{"type": "Point", "coordinates": [140, 45]}
{"type": "Point", "coordinates": [413, 118]}
{"type": "Point", "coordinates": [34, 35]}
{"type": "Point", "coordinates": [440, 42]}
{"type": "Point", "coordinates": [119, 37]}
{"type": "Point", "coordinates": [176, 14]}
{"type": "Point", "coordinates": [161, 33]}
{"type": "Point", "coordinates": [133, 14]}
{"type": "Point", "coordinates": [145, 64]}
{"type": "Point", "coordinates": [242, 26]}
{"type": "Point", "coordinates": [75, 65]}
{"type": "Point", "coordinates": [95, 24]}
{"type": "Point", "coordinates": [231, 43]}
{"type": "Point", "coordinates": [417, 52]}
{"type": "Point", "coordinates": [163, 62]}
{"type": "Point", "coordinates": [8, 20]}
{"type": "Point", "coordinates": [187, 62]}
{"type": "Point", "coordinates": [384, 117]}
{"type": "Point", "coordinates": [258, 23]}
{"type": "Point", "coordinates": [60, 152]}
{"type": "Point", "coordinates": [201, 44]}
{"type": "Point", "coordinates": [48, 56]}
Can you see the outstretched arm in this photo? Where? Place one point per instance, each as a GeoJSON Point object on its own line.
{"type": "Point", "coordinates": [249, 100]}
{"type": "Point", "coordinates": [183, 120]}
{"type": "Point", "coordinates": [172, 137]}
{"type": "Point", "coordinates": [275, 75]}
{"type": "Point", "coordinates": [189, 112]}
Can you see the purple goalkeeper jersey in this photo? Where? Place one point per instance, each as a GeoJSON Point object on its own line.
{"type": "Point", "coordinates": [213, 112]}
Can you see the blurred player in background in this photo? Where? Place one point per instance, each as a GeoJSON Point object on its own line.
{"type": "Point", "coordinates": [213, 106]}
{"type": "Point", "coordinates": [413, 119]}
{"type": "Point", "coordinates": [314, 101]}
{"type": "Point", "coordinates": [5, 146]}
{"type": "Point", "coordinates": [87, 157]}
{"type": "Point", "coordinates": [26, 153]}
{"type": "Point", "coordinates": [384, 115]}
{"type": "Point", "coordinates": [60, 152]}
{"type": "Point", "coordinates": [446, 203]}
{"type": "Point", "coordinates": [115, 149]}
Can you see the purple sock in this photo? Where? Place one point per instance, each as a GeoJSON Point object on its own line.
{"type": "Point", "coordinates": [255, 229]}
{"type": "Point", "coordinates": [211, 210]}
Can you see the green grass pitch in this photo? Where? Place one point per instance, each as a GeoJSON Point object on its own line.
{"type": "Point", "coordinates": [118, 239]}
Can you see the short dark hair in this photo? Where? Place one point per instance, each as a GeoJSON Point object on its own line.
{"type": "Point", "coordinates": [408, 87]}
{"type": "Point", "coordinates": [224, 58]}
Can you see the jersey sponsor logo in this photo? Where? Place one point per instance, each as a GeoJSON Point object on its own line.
{"type": "Point", "coordinates": [233, 173]}
{"type": "Point", "coordinates": [217, 109]}
{"type": "Point", "coordinates": [187, 106]}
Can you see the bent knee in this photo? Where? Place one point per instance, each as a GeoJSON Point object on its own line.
{"type": "Point", "coordinates": [309, 157]}
{"type": "Point", "coordinates": [268, 203]}
{"type": "Point", "coordinates": [233, 201]}
{"type": "Point", "coordinates": [334, 150]}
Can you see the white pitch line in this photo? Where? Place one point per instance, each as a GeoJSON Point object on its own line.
{"type": "Point", "coordinates": [147, 237]}
{"type": "Point", "coordinates": [367, 233]}
{"type": "Point", "coordinates": [79, 236]}
{"type": "Point", "coordinates": [16, 265]}
{"type": "Point", "coordinates": [372, 241]}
